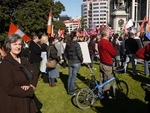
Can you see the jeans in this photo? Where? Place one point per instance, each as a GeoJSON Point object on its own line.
{"type": "Point", "coordinates": [146, 67]}
{"type": "Point", "coordinates": [132, 58]}
{"type": "Point", "coordinates": [117, 61]}
{"type": "Point", "coordinates": [92, 60]}
{"type": "Point", "coordinates": [73, 70]}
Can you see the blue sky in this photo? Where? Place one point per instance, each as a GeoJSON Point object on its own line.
{"type": "Point", "coordinates": [73, 7]}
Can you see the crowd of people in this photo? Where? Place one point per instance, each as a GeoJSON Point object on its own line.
{"type": "Point", "coordinates": [26, 62]}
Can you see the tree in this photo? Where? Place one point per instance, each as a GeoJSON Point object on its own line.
{"type": "Point", "coordinates": [59, 25]}
{"type": "Point", "coordinates": [30, 16]}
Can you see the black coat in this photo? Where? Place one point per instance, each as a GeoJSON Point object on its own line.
{"type": "Point", "coordinates": [74, 53]}
{"type": "Point", "coordinates": [35, 52]}
{"type": "Point", "coordinates": [52, 53]}
{"type": "Point", "coordinates": [131, 46]}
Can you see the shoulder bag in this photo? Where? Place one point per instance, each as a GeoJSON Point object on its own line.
{"type": "Point", "coordinates": [50, 63]}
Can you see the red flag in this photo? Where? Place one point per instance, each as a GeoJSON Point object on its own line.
{"type": "Point", "coordinates": [79, 25]}
{"type": "Point", "coordinates": [49, 24]}
{"type": "Point", "coordinates": [13, 29]}
{"type": "Point", "coordinates": [142, 25]}
{"type": "Point", "coordinates": [85, 33]}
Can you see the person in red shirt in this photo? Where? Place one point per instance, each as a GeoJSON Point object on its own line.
{"type": "Point", "coordinates": [106, 53]}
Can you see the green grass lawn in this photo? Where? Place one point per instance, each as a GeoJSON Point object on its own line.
{"type": "Point", "coordinates": [56, 99]}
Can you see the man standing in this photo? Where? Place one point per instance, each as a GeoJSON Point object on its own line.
{"type": "Point", "coordinates": [35, 54]}
{"type": "Point", "coordinates": [131, 46]}
{"type": "Point", "coordinates": [106, 52]}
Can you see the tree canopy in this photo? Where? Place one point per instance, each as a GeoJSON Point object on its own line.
{"type": "Point", "coordinates": [30, 16]}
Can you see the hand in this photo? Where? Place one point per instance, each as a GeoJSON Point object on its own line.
{"type": "Point", "coordinates": [34, 88]}
{"type": "Point", "coordinates": [25, 87]}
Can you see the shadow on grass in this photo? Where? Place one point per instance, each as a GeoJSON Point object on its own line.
{"type": "Point", "coordinates": [64, 79]}
{"type": "Point", "coordinates": [117, 106]}
{"type": "Point", "coordinates": [121, 106]}
{"type": "Point", "coordinates": [139, 78]}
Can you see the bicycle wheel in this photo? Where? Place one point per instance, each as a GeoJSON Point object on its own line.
{"type": "Point", "coordinates": [120, 89]}
{"type": "Point", "coordinates": [85, 98]}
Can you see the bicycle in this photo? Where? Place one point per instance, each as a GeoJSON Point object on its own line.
{"type": "Point", "coordinates": [86, 96]}
{"type": "Point", "coordinates": [146, 88]}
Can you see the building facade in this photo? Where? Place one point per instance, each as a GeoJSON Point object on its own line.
{"type": "Point", "coordinates": [72, 25]}
{"type": "Point", "coordinates": [98, 12]}
{"type": "Point", "coordinates": [95, 12]}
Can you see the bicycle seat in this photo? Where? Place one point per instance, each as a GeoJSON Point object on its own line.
{"type": "Point", "coordinates": [145, 86]}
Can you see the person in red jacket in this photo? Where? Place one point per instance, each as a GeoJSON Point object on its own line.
{"type": "Point", "coordinates": [144, 53]}
{"type": "Point", "coordinates": [106, 52]}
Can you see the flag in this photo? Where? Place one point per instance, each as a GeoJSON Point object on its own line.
{"type": "Point", "coordinates": [49, 24]}
{"type": "Point", "coordinates": [142, 25]}
{"type": "Point", "coordinates": [133, 30]}
{"type": "Point", "coordinates": [85, 33]}
{"type": "Point", "coordinates": [124, 29]}
{"type": "Point", "coordinates": [61, 33]}
{"type": "Point", "coordinates": [13, 29]}
{"type": "Point", "coordinates": [52, 32]}
{"type": "Point", "coordinates": [129, 24]}
{"type": "Point", "coordinates": [148, 29]}
{"type": "Point", "coordinates": [78, 34]}
{"type": "Point", "coordinates": [79, 25]}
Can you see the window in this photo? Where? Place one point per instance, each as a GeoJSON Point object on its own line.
{"type": "Point", "coordinates": [95, 7]}
{"type": "Point", "coordinates": [95, 3]}
{"type": "Point", "coordinates": [85, 9]}
{"type": "Point", "coordinates": [85, 13]}
{"type": "Point", "coordinates": [96, 15]}
{"type": "Point", "coordinates": [95, 18]}
{"type": "Point", "coordinates": [102, 10]}
{"type": "Point", "coordinates": [103, 3]}
{"type": "Point", "coordinates": [102, 14]}
{"type": "Point", "coordinates": [102, 7]}
{"type": "Point", "coordinates": [95, 11]}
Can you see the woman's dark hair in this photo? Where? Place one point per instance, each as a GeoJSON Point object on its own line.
{"type": "Point", "coordinates": [115, 36]}
{"type": "Point", "coordinates": [70, 38]}
{"type": "Point", "coordinates": [11, 39]}
{"type": "Point", "coordinates": [51, 39]}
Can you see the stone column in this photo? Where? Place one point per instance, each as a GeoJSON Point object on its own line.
{"type": "Point", "coordinates": [133, 10]}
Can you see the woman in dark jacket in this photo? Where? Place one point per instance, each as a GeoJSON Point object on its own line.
{"type": "Point", "coordinates": [92, 50]}
{"type": "Point", "coordinates": [52, 54]}
{"type": "Point", "coordinates": [75, 58]}
{"type": "Point", "coordinates": [16, 91]}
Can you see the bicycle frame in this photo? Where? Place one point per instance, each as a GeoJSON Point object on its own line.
{"type": "Point", "coordinates": [100, 86]}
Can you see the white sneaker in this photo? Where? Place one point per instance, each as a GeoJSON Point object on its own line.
{"type": "Point", "coordinates": [94, 68]}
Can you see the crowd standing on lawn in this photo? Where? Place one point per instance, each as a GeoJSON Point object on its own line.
{"type": "Point", "coordinates": [112, 48]}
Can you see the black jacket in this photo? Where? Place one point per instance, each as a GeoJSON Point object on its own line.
{"type": "Point", "coordinates": [35, 52]}
{"type": "Point", "coordinates": [131, 46]}
{"type": "Point", "coordinates": [74, 53]}
{"type": "Point", "coordinates": [52, 53]}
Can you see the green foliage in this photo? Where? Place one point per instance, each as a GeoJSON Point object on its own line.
{"type": "Point", "coordinates": [59, 25]}
{"type": "Point", "coordinates": [30, 16]}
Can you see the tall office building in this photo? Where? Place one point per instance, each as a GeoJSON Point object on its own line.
{"type": "Point", "coordinates": [98, 12]}
{"type": "Point", "coordinates": [95, 12]}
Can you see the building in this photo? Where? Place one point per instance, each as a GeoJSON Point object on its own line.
{"type": "Point", "coordinates": [95, 12]}
{"type": "Point", "coordinates": [72, 25]}
{"type": "Point", "coordinates": [63, 18]}
{"type": "Point", "coordinates": [98, 12]}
